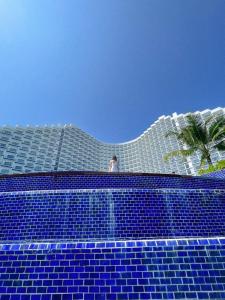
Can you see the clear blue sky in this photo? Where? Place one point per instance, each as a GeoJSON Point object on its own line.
{"type": "Point", "coordinates": [110, 67]}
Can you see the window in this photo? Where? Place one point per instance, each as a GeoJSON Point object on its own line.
{"type": "Point", "coordinates": [7, 164]}
{"type": "Point", "coordinates": [5, 171]}
{"type": "Point", "coordinates": [18, 168]}
{"type": "Point", "coordinates": [11, 157]}
{"type": "Point", "coordinates": [34, 147]}
{"type": "Point", "coordinates": [4, 138]}
{"type": "Point", "coordinates": [21, 154]}
{"type": "Point", "coordinates": [29, 165]}
{"type": "Point", "coordinates": [20, 161]}
{"type": "Point", "coordinates": [18, 138]}
{"type": "Point", "coordinates": [34, 153]}
{"type": "Point", "coordinates": [6, 132]}
{"type": "Point", "coordinates": [29, 137]}
{"type": "Point", "coordinates": [11, 150]}
{"type": "Point", "coordinates": [37, 168]}
{"type": "Point", "coordinates": [31, 159]}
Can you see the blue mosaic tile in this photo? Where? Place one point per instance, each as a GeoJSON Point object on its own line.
{"type": "Point", "coordinates": [79, 180]}
{"type": "Point", "coordinates": [80, 236]}
{"type": "Point", "coordinates": [129, 214]}
{"type": "Point", "coordinates": [215, 175]}
{"type": "Point", "coordinates": [129, 275]}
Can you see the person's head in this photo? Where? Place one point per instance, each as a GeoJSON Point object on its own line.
{"type": "Point", "coordinates": [114, 158]}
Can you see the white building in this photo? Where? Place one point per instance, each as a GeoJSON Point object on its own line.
{"type": "Point", "coordinates": [59, 148]}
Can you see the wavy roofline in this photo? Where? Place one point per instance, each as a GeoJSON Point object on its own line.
{"type": "Point", "coordinates": [173, 115]}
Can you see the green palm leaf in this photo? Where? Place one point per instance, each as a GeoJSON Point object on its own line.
{"type": "Point", "coordinates": [220, 146]}
{"type": "Point", "coordinates": [200, 135]}
{"type": "Point", "coordinates": [172, 133]}
{"type": "Point", "coordinates": [219, 135]}
{"type": "Point", "coordinates": [182, 152]}
{"type": "Point", "coordinates": [217, 128]}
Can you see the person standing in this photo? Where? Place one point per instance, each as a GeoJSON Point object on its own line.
{"type": "Point", "coordinates": [114, 164]}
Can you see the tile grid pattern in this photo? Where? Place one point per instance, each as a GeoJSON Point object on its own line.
{"type": "Point", "coordinates": [121, 251]}
{"type": "Point", "coordinates": [79, 180]}
{"type": "Point", "coordinates": [111, 214]}
{"type": "Point", "coordinates": [161, 269]}
{"type": "Point", "coordinates": [216, 175]}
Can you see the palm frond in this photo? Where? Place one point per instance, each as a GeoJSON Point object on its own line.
{"type": "Point", "coordinates": [220, 146]}
{"type": "Point", "coordinates": [172, 133]}
{"type": "Point", "coordinates": [208, 120]}
{"type": "Point", "coordinates": [198, 129]}
{"type": "Point", "coordinates": [219, 135]}
{"type": "Point", "coordinates": [216, 127]}
{"type": "Point", "coordinates": [182, 152]}
{"type": "Point", "coordinates": [200, 135]}
{"type": "Point", "coordinates": [187, 136]}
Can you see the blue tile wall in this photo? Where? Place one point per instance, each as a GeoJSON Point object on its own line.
{"type": "Point", "coordinates": [160, 269]}
{"type": "Point", "coordinates": [107, 236]}
{"type": "Point", "coordinates": [216, 175]}
{"type": "Point", "coordinates": [73, 180]}
{"type": "Point", "coordinates": [111, 214]}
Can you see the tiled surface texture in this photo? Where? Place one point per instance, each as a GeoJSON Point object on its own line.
{"type": "Point", "coordinates": [164, 269]}
{"type": "Point", "coordinates": [218, 174]}
{"type": "Point", "coordinates": [111, 214]}
{"type": "Point", "coordinates": [111, 236]}
{"type": "Point", "coordinates": [85, 180]}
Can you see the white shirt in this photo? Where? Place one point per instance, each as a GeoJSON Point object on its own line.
{"type": "Point", "coordinates": [113, 166]}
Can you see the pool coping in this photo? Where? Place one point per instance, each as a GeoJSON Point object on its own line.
{"type": "Point", "coordinates": [164, 242]}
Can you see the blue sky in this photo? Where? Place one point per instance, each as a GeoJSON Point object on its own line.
{"type": "Point", "coordinates": [110, 67]}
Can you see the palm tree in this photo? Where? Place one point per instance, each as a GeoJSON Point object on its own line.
{"type": "Point", "coordinates": [202, 136]}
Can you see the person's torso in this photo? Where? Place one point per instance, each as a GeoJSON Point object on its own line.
{"type": "Point", "coordinates": [114, 165]}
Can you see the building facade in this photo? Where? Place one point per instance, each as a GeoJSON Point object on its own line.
{"type": "Point", "coordinates": [61, 148]}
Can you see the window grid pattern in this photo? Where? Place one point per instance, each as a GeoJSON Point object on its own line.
{"type": "Point", "coordinates": [35, 149]}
